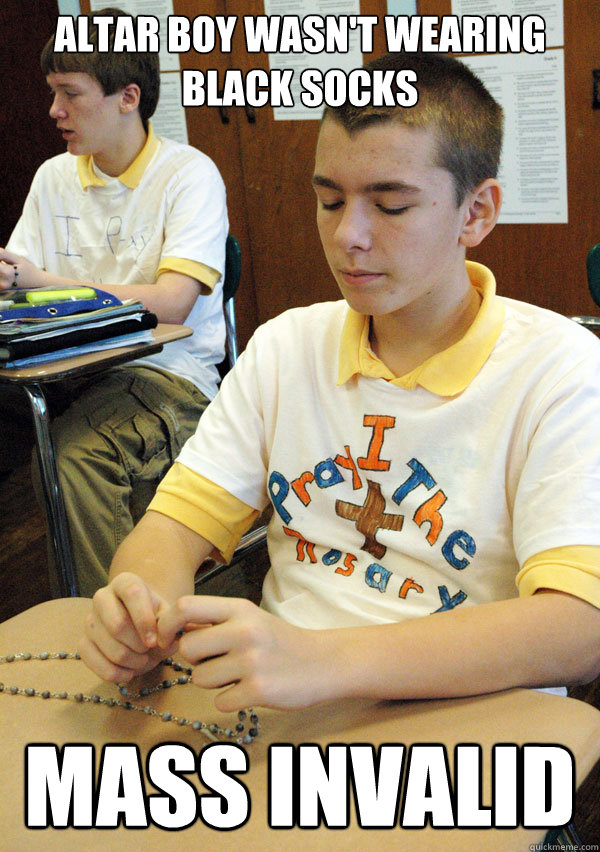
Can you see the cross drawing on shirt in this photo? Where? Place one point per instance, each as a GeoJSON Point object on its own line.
{"type": "Point", "coordinates": [369, 518]}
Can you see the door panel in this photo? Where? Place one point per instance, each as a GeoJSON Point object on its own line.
{"type": "Point", "coordinates": [28, 135]}
{"type": "Point", "coordinates": [545, 264]}
{"type": "Point", "coordinates": [217, 134]}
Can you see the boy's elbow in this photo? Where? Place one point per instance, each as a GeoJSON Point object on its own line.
{"type": "Point", "coordinates": [591, 668]}
{"type": "Point", "coordinates": [586, 667]}
{"type": "Point", "coordinates": [177, 317]}
{"type": "Point", "coordinates": [174, 311]}
{"type": "Point", "coordinates": [575, 636]}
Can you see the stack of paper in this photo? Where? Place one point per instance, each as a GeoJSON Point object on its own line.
{"type": "Point", "coordinates": [36, 335]}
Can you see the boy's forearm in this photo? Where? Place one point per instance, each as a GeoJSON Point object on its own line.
{"type": "Point", "coordinates": [164, 553]}
{"type": "Point", "coordinates": [549, 639]}
{"type": "Point", "coordinates": [171, 297]}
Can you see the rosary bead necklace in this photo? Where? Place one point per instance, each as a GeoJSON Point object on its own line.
{"type": "Point", "coordinates": [238, 733]}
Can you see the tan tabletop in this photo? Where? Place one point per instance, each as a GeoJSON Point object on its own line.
{"type": "Point", "coordinates": [516, 716]}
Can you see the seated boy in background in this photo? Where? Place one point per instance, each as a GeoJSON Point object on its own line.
{"type": "Point", "coordinates": [430, 450]}
{"type": "Point", "coordinates": [143, 218]}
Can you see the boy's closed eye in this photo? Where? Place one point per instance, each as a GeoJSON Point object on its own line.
{"type": "Point", "coordinates": [332, 205]}
{"type": "Point", "coordinates": [393, 211]}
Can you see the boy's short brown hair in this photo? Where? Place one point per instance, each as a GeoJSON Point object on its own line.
{"type": "Point", "coordinates": [113, 71]}
{"type": "Point", "coordinates": [453, 102]}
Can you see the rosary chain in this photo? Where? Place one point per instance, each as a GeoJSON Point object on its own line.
{"type": "Point", "coordinates": [211, 731]}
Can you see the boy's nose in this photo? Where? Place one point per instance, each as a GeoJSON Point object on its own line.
{"type": "Point", "coordinates": [56, 108]}
{"type": "Point", "coordinates": [353, 230]}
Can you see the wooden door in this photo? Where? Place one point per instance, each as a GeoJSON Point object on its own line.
{"type": "Point", "coordinates": [217, 133]}
{"type": "Point", "coordinates": [545, 264]}
{"type": "Point", "coordinates": [27, 130]}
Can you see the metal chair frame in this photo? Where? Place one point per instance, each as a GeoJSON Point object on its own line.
{"type": "Point", "coordinates": [593, 279]}
{"type": "Point", "coordinates": [249, 542]}
{"type": "Point", "coordinates": [231, 281]}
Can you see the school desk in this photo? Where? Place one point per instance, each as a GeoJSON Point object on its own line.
{"type": "Point", "coordinates": [516, 717]}
{"type": "Point", "coordinates": [33, 380]}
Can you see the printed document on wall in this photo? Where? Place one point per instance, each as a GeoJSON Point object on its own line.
{"type": "Point", "coordinates": [169, 118]}
{"type": "Point", "coordinates": [533, 169]}
{"type": "Point", "coordinates": [160, 9]}
{"type": "Point", "coordinates": [298, 62]}
{"type": "Point", "coordinates": [550, 10]}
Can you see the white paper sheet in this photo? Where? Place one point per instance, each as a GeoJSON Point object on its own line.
{"type": "Point", "coordinates": [533, 172]}
{"type": "Point", "coordinates": [324, 61]}
{"type": "Point", "coordinates": [550, 10]}
{"type": "Point", "coordinates": [169, 118]}
{"type": "Point", "coordinates": [161, 9]}
{"type": "Point", "coordinates": [402, 7]}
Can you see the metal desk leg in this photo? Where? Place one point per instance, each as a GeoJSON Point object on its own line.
{"type": "Point", "coordinates": [58, 527]}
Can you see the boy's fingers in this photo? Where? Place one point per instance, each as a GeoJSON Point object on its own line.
{"type": "Point", "coordinates": [237, 697]}
{"type": "Point", "coordinates": [215, 672]}
{"type": "Point", "coordinates": [127, 609]}
{"type": "Point", "coordinates": [142, 605]}
{"type": "Point", "coordinates": [115, 650]}
{"type": "Point", "coordinates": [103, 667]}
{"type": "Point", "coordinates": [110, 614]}
{"type": "Point", "coordinates": [200, 645]}
{"type": "Point", "coordinates": [198, 610]}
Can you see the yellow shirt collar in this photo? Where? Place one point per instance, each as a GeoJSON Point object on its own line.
{"type": "Point", "coordinates": [448, 372]}
{"type": "Point", "coordinates": [132, 174]}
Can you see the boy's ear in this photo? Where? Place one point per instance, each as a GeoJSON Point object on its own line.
{"type": "Point", "coordinates": [482, 210]}
{"type": "Point", "coordinates": [130, 98]}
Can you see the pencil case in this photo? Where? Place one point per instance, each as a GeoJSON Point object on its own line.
{"type": "Point", "coordinates": [50, 302]}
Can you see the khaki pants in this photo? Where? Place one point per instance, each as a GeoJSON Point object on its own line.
{"type": "Point", "coordinates": [115, 439]}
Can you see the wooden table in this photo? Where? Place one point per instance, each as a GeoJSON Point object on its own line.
{"type": "Point", "coordinates": [516, 716]}
{"type": "Point", "coordinates": [33, 380]}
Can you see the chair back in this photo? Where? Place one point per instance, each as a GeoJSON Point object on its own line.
{"type": "Point", "coordinates": [593, 272]}
{"type": "Point", "coordinates": [233, 272]}
{"type": "Point", "coordinates": [593, 278]}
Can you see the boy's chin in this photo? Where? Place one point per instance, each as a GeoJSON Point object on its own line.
{"type": "Point", "coordinates": [367, 305]}
{"type": "Point", "coordinates": [76, 147]}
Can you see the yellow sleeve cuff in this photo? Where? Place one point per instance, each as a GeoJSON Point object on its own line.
{"type": "Point", "coordinates": [574, 570]}
{"type": "Point", "coordinates": [203, 507]}
{"type": "Point", "coordinates": [200, 271]}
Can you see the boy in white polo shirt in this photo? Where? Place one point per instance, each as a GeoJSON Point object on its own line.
{"type": "Point", "coordinates": [429, 448]}
{"type": "Point", "coordinates": [141, 217]}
